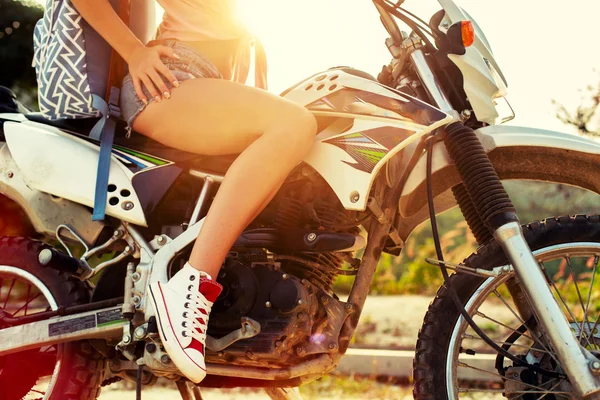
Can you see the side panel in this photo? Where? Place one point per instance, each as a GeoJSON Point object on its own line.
{"type": "Point", "coordinates": [65, 166]}
{"type": "Point", "coordinates": [362, 126]}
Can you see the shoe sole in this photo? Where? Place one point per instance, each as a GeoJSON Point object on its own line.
{"type": "Point", "coordinates": [167, 335]}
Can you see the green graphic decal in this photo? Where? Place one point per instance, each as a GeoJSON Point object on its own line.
{"type": "Point", "coordinates": [145, 157]}
{"type": "Point", "coordinates": [367, 148]}
{"type": "Point", "coordinates": [353, 135]}
{"type": "Point", "coordinates": [372, 155]}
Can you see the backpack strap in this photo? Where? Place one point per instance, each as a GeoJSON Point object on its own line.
{"type": "Point", "coordinates": [104, 130]}
{"type": "Point", "coordinates": [106, 126]}
{"type": "Point", "coordinates": [118, 67]}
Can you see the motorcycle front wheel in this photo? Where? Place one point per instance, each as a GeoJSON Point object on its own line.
{"type": "Point", "coordinates": [453, 362]}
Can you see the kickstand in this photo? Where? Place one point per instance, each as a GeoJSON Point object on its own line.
{"type": "Point", "coordinates": [138, 383]}
{"type": "Point", "coordinates": [188, 393]}
{"type": "Point", "coordinates": [283, 393]}
{"type": "Point", "coordinates": [197, 394]}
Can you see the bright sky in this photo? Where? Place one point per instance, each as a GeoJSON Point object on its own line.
{"type": "Point", "coordinates": [547, 49]}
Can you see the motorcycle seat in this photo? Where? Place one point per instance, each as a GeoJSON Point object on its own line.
{"type": "Point", "coordinates": [141, 143]}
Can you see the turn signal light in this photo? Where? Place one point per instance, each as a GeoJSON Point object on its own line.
{"type": "Point", "coordinates": [468, 33]}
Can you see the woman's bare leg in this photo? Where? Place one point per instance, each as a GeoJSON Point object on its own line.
{"type": "Point", "coordinates": [217, 117]}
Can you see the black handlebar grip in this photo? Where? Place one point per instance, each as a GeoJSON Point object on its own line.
{"type": "Point", "coordinates": [59, 261]}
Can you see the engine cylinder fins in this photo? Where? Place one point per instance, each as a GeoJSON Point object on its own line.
{"type": "Point", "coordinates": [320, 269]}
{"type": "Point", "coordinates": [479, 177]}
{"type": "Point", "coordinates": [288, 214]}
{"type": "Point", "coordinates": [293, 213]}
{"type": "Point", "coordinates": [480, 230]}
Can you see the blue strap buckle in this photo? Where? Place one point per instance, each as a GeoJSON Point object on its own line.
{"type": "Point", "coordinates": [104, 130]}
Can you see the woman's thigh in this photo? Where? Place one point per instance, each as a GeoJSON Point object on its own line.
{"type": "Point", "coordinates": [216, 117]}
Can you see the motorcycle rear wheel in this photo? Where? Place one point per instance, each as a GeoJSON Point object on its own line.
{"type": "Point", "coordinates": [448, 350]}
{"type": "Point", "coordinates": [69, 371]}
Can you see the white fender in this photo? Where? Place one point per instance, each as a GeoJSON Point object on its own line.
{"type": "Point", "coordinates": [65, 166]}
{"type": "Point", "coordinates": [494, 137]}
{"type": "Point", "coordinates": [516, 153]}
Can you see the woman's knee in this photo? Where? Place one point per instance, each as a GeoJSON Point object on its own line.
{"type": "Point", "coordinates": [297, 127]}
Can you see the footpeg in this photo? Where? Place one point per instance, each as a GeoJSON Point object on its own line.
{"type": "Point", "coordinates": [50, 258]}
{"type": "Point", "coordinates": [249, 329]}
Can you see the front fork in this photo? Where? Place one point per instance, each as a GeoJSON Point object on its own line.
{"type": "Point", "coordinates": [576, 360]}
{"type": "Point", "coordinates": [490, 208]}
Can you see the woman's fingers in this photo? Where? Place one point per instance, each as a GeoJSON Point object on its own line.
{"type": "Point", "coordinates": [138, 90]}
{"type": "Point", "coordinates": [166, 72]}
{"type": "Point", "coordinates": [150, 87]}
{"type": "Point", "coordinates": [150, 70]}
{"type": "Point", "coordinates": [160, 84]}
{"type": "Point", "coordinates": [167, 52]}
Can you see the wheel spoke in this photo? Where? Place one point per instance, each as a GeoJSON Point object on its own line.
{"type": "Point", "coordinates": [461, 364]}
{"type": "Point", "coordinates": [501, 391]}
{"type": "Point", "coordinates": [596, 323]}
{"type": "Point", "coordinates": [531, 331]}
{"type": "Point", "coordinates": [473, 337]}
{"type": "Point", "coordinates": [561, 299]}
{"type": "Point", "coordinates": [552, 388]}
{"type": "Point", "coordinates": [26, 304]}
{"type": "Point", "coordinates": [9, 291]}
{"type": "Point", "coordinates": [482, 315]}
{"type": "Point", "coordinates": [587, 304]}
{"type": "Point", "coordinates": [27, 299]}
{"type": "Point", "coordinates": [581, 330]}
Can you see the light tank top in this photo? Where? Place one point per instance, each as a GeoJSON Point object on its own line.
{"type": "Point", "coordinates": [200, 20]}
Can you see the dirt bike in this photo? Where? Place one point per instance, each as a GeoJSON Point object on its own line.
{"type": "Point", "coordinates": [390, 153]}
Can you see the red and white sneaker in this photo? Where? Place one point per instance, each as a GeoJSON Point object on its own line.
{"type": "Point", "coordinates": [182, 307]}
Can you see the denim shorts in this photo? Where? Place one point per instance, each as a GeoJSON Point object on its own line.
{"type": "Point", "coordinates": [192, 64]}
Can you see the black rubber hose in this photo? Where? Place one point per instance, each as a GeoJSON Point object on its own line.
{"type": "Point", "coordinates": [479, 177]}
{"type": "Point", "coordinates": [476, 225]}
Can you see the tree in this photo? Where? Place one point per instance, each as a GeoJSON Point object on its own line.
{"type": "Point", "coordinates": [17, 22]}
{"type": "Point", "coordinates": [585, 118]}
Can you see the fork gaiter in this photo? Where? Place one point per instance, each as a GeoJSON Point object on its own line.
{"type": "Point", "coordinates": [480, 179]}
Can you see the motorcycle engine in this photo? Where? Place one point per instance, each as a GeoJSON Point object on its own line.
{"type": "Point", "coordinates": [297, 318]}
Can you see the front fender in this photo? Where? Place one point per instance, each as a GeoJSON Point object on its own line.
{"type": "Point", "coordinates": [516, 153]}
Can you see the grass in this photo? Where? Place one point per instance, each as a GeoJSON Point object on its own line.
{"type": "Point", "coordinates": [340, 387]}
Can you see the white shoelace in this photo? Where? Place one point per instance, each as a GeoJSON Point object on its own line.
{"type": "Point", "coordinates": [192, 325]}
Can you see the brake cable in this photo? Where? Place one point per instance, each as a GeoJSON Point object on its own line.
{"type": "Point", "coordinates": [509, 342]}
{"type": "Point", "coordinates": [453, 294]}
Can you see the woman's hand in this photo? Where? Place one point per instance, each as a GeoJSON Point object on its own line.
{"type": "Point", "coordinates": [146, 67]}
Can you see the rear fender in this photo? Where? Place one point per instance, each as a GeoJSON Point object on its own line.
{"type": "Point", "coordinates": [516, 153]}
{"type": "Point", "coordinates": [45, 212]}
{"type": "Point", "coordinates": [65, 166]}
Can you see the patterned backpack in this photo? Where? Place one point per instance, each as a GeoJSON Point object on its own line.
{"type": "Point", "coordinates": [76, 73]}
